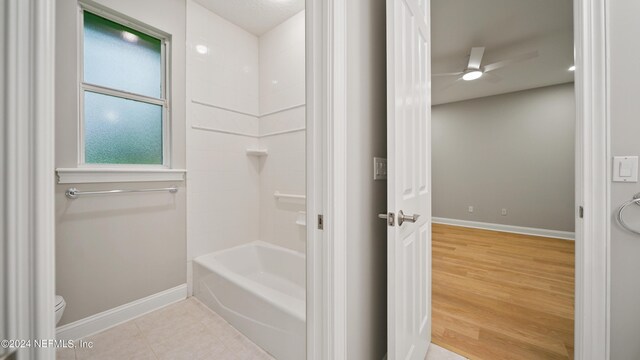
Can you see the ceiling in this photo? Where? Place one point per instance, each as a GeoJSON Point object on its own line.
{"type": "Point", "coordinates": [505, 28]}
{"type": "Point", "coordinates": [255, 16]}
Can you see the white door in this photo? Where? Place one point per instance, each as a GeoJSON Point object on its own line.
{"type": "Point", "coordinates": [409, 179]}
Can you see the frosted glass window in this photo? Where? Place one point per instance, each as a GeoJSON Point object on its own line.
{"type": "Point", "coordinates": [121, 58]}
{"type": "Point", "coordinates": [121, 131]}
{"type": "Point", "coordinates": [124, 105]}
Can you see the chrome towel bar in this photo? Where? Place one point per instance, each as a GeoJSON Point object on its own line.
{"type": "Point", "coordinates": [73, 193]}
{"type": "Point", "coordinates": [635, 200]}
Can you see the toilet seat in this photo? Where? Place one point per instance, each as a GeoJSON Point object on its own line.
{"type": "Point", "coordinates": [59, 302]}
{"type": "Point", "coordinates": [59, 309]}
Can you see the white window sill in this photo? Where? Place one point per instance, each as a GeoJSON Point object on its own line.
{"type": "Point", "coordinates": [105, 175]}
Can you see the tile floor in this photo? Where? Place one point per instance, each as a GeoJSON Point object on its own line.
{"type": "Point", "coordinates": [185, 330]}
{"type": "Point", "coordinates": [439, 353]}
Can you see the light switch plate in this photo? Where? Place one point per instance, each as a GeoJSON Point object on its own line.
{"type": "Point", "coordinates": [379, 168]}
{"type": "Point", "coordinates": [625, 169]}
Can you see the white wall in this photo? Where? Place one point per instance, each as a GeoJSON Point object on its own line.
{"type": "Point", "coordinates": [513, 151]}
{"type": "Point", "coordinates": [282, 131]}
{"type": "Point", "coordinates": [366, 131]}
{"type": "Point", "coordinates": [282, 65]}
{"type": "Point", "coordinates": [244, 93]}
{"type": "Point", "coordinates": [111, 250]}
{"type": "Point", "coordinates": [223, 181]}
{"type": "Point", "coordinates": [625, 126]}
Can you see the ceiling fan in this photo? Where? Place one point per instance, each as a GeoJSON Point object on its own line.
{"type": "Point", "coordinates": [475, 70]}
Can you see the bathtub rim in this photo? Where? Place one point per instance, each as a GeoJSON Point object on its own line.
{"type": "Point", "coordinates": [287, 303]}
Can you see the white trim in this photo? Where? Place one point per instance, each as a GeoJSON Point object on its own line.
{"type": "Point", "coordinates": [259, 134]}
{"type": "Point", "coordinates": [314, 83]}
{"type": "Point", "coordinates": [225, 108]}
{"type": "Point", "coordinates": [239, 133]}
{"type": "Point", "coordinates": [282, 132]}
{"type": "Point", "coordinates": [27, 41]}
{"type": "Point", "coordinates": [592, 180]}
{"type": "Point", "coordinates": [564, 235]}
{"type": "Point", "coordinates": [105, 175]}
{"type": "Point", "coordinates": [116, 316]}
{"type": "Point", "coordinates": [282, 110]}
{"type": "Point", "coordinates": [104, 90]}
{"type": "Point", "coordinates": [605, 149]}
{"type": "Point", "coordinates": [326, 59]}
{"type": "Point", "coordinates": [230, 132]}
{"type": "Point", "coordinates": [258, 115]}
{"type": "Point", "coordinates": [336, 179]}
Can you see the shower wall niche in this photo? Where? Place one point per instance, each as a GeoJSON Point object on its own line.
{"type": "Point", "coordinates": [245, 134]}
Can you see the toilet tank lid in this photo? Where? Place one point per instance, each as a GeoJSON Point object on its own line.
{"type": "Point", "coordinates": [59, 301]}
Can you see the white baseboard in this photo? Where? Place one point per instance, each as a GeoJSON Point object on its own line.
{"type": "Point", "coordinates": [110, 318]}
{"type": "Point", "coordinates": [565, 235]}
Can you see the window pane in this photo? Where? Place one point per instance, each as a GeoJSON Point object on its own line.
{"type": "Point", "coordinates": [121, 131]}
{"type": "Point", "coordinates": [118, 57]}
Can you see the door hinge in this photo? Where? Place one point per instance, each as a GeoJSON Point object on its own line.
{"type": "Point", "coordinates": [581, 212]}
{"type": "Point", "coordinates": [320, 222]}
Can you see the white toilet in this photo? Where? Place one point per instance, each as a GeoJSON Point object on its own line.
{"type": "Point", "coordinates": [60, 305]}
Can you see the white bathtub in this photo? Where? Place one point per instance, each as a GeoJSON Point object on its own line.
{"type": "Point", "coordinates": [258, 288]}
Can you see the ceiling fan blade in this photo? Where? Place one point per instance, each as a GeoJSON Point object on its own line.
{"type": "Point", "coordinates": [448, 74]}
{"type": "Point", "coordinates": [449, 85]}
{"type": "Point", "coordinates": [475, 59]}
{"type": "Point", "coordinates": [513, 60]}
{"type": "Point", "coordinates": [491, 77]}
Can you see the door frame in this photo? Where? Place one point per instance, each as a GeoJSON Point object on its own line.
{"type": "Point", "coordinates": [27, 207]}
{"type": "Point", "coordinates": [326, 84]}
{"type": "Point", "coordinates": [327, 93]}
{"type": "Point", "coordinates": [592, 290]}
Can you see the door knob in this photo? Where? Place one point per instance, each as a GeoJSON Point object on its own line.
{"type": "Point", "coordinates": [408, 218]}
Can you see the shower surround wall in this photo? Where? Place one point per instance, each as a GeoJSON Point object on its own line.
{"type": "Point", "coordinates": [243, 92]}
{"type": "Point", "coordinates": [222, 92]}
{"type": "Point", "coordinates": [282, 131]}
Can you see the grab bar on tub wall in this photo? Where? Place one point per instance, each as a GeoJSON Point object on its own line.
{"type": "Point", "coordinates": [73, 193]}
{"type": "Point", "coordinates": [279, 195]}
{"type": "Point", "coordinates": [635, 200]}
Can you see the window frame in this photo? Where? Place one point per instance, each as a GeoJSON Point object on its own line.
{"type": "Point", "coordinates": [165, 93]}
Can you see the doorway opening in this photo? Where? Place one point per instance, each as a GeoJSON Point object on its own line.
{"type": "Point", "coordinates": [503, 179]}
{"type": "Point", "coordinates": [216, 244]}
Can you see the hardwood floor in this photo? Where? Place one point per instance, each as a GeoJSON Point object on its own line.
{"type": "Point", "coordinates": [502, 296]}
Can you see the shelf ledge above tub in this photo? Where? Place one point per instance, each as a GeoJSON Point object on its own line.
{"type": "Point", "coordinates": [257, 152]}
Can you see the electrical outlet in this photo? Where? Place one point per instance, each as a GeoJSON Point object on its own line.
{"type": "Point", "coordinates": [470, 209]}
{"type": "Point", "coordinates": [504, 212]}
